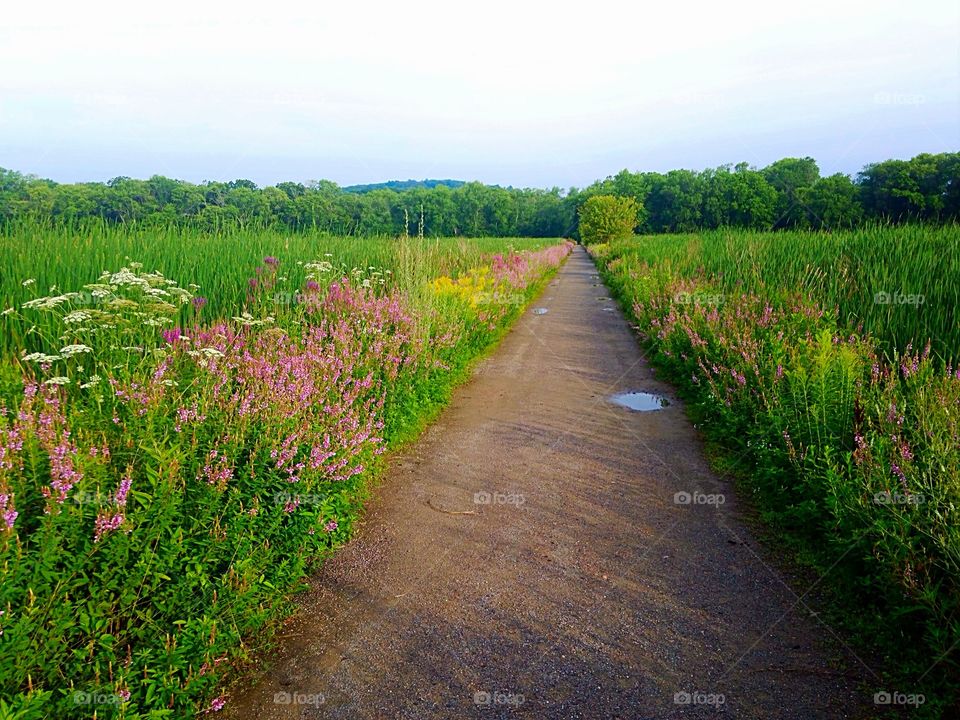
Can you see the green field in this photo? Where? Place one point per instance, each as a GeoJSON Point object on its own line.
{"type": "Point", "coordinates": [55, 258]}
{"type": "Point", "coordinates": [899, 284]}
{"type": "Point", "coordinates": [836, 406]}
{"type": "Point", "coordinates": [191, 422]}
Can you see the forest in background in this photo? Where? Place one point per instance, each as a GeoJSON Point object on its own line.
{"type": "Point", "coordinates": [789, 193]}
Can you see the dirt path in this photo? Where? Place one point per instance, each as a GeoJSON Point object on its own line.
{"type": "Point", "coordinates": [598, 596]}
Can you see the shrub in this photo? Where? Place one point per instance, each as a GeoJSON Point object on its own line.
{"type": "Point", "coordinates": [851, 457]}
{"type": "Point", "coordinates": [606, 217]}
{"type": "Point", "coordinates": [165, 485]}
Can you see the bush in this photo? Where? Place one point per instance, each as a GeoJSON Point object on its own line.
{"type": "Point", "coordinates": [850, 456]}
{"type": "Point", "coordinates": [606, 217]}
{"type": "Point", "coordinates": [163, 487]}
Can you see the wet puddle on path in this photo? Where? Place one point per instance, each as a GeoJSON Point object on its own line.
{"type": "Point", "coordinates": [640, 401]}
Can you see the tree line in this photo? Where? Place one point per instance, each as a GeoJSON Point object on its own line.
{"type": "Point", "coordinates": [789, 193]}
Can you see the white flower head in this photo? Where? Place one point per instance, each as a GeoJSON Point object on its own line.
{"type": "Point", "coordinates": [207, 352]}
{"type": "Point", "coordinates": [77, 316]}
{"type": "Point", "coordinates": [71, 350]}
{"type": "Point", "coordinates": [39, 357]}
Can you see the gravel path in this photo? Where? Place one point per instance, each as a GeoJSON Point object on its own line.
{"type": "Point", "coordinates": [582, 589]}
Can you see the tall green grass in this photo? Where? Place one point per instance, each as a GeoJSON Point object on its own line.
{"type": "Point", "coordinates": [171, 471]}
{"type": "Point", "coordinates": [45, 255]}
{"type": "Point", "coordinates": [852, 272]}
{"type": "Point", "coordinates": [844, 441]}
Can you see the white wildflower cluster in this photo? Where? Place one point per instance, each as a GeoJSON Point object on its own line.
{"type": "Point", "coordinates": [247, 320]}
{"type": "Point", "coordinates": [152, 284]}
{"type": "Point", "coordinates": [207, 352]}
{"type": "Point", "coordinates": [368, 277]}
{"type": "Point", "coordinates": [39, 357]}
{"type": "Point", "coordinates": [126, 277]}
{"type": "Point", "coordinates": [99, 291]}
{"type": "Point", "coordinates": [121, 311]}
{"type": "Point", "coordinates": [155, 296]}
{"type": "Point", "coordinates": [182, 296]}
{"type": "Point", "coordinates": [316, 269]}
{"type": "Point", "coordinates": [71, 350]}
{"type": "Point", "coordinates": [45, 303]}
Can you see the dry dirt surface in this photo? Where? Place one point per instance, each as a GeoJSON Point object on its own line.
{"type": "Point", "coordinates": [528, 557]}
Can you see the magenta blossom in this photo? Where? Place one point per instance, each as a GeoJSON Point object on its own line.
{"type": "Point", "coordinates": [7, 511]}
{"type": "Point", "coordinates": [170, 337]}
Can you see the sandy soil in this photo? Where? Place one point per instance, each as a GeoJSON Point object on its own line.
{"type": "Point", "coordinates": [582, 589]}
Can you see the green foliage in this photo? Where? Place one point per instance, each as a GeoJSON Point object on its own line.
{"type": "Point", "coordinates": [401, 185]}
{"type": "Point", "coordinates": [218, 262]}
{"type": "Point", "coordinates": [606, 217]}
{"type": "Point", "coordinates": [789, 194]}
{"type": "Point", "coordinates": [170, 470]}
{"type": "Point", "coordinates": [832, 203]}
{"type": "Point", "coordinates": [924, 188]}
{"type": "Point", "coordinates": [846, 444]}
{"type": "Point", "coordinates": [431, 208]}
{"type": "Point", "coordinates": [897, 283]}
{"type": "Point", "coordinates": [790, 177]}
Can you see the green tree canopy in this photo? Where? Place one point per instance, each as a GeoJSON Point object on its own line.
{"type": "Point", "coordinates": [607, 217]}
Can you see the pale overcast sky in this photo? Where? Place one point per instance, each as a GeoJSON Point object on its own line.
{"type": "Point", "coordinates": [509, 92]}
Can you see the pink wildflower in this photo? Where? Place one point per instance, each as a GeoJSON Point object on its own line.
{"type": "Point", "coordinates": [7, 510]}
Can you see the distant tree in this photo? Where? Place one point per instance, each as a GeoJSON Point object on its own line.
{"type": "Point", "coordinates": [833, 203]}
{"type": "Point", "coordinates": [242, 183]}
{"type": "Point", "coordinates": [950, 172]}
{"type": "Point", "coordinates": [607, 217]}
{"type": "Point", "coordinates": [790, 177]}
{"type": "Point", "coordinates": [292, 189]}
{"type": "Point", "coordinates": [11, 180]}
{"type": "Point", "coordinates": [742, 198]}
{"type": "Point", "coordinates": [374, 216]}
{"type": "Point", "coordinates": [787, 193]}
{"type": "Point", "coordinates": [675, 201]}
{"type": "Point", "coordinates": [889, 191]}
{"type": "Point", "coordinates": [635, 185]}
{"type": "Point", "coordinates": [163, 188]}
